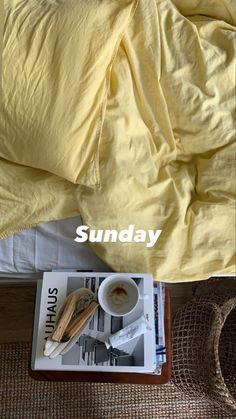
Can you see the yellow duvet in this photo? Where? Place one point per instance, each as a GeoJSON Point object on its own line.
{"type": "Point", "coordinates": [123, 111]}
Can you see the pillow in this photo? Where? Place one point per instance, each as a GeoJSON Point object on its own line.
{"type": "Point", "coordinates": [57, 57]}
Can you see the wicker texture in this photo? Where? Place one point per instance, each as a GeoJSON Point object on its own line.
{"type": "Point", "coordinates": [204, 346]}
{"type": "Point", "coordinates": [23, 398]}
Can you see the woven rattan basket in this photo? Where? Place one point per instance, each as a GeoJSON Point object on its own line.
{"type": "Point", "coordinates": [204, 347]}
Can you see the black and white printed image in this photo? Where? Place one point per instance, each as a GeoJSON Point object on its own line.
{"type": "Point", "coordinates": [90, 348]}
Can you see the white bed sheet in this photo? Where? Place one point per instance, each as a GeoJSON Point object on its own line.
{"type": "Point", "coordinates": [46, 247]}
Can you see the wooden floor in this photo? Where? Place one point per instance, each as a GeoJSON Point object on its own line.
{"type": "Point", "coordinates": [17, 308]}
{"type": "Point", "coordinates": [16, 312]}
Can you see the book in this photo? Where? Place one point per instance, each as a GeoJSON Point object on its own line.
{"type": "Point", "coordinates": [159, 304]}
{"type": "Point", "coordinates": [90, 352]}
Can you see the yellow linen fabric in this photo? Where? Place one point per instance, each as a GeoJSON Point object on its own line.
{"type": "Point", "coordinates": [1, 36]}
{"type": "Point", "coordinates": [166, 152]}
{"type": "Point", "coordinates": [57, 59]}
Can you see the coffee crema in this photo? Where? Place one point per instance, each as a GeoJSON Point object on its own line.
{"type": "Point", "coordinates": [119, 296]}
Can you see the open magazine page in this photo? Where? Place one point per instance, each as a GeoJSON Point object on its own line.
{"type": "Point", "coordinates": [90, 352]}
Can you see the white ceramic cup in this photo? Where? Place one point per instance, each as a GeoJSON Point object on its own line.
{"type": "Point", "coordinates": [118, 295]}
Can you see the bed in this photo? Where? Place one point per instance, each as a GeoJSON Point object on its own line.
{"type": "Point", "coordinates": [27, 254]}
{"type": "Point", "coordinates": [121, 112]}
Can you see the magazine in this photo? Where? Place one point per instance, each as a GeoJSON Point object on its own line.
{"type": "Point", "coordinates": [159, 305]}
{"type": "Point", "coordinates": [90, 352]}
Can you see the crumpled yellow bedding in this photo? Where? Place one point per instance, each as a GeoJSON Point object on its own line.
{"type": "Point", "coordinates": [144, 135]}
{"type": "Point", "coordinates": [1, 36]}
